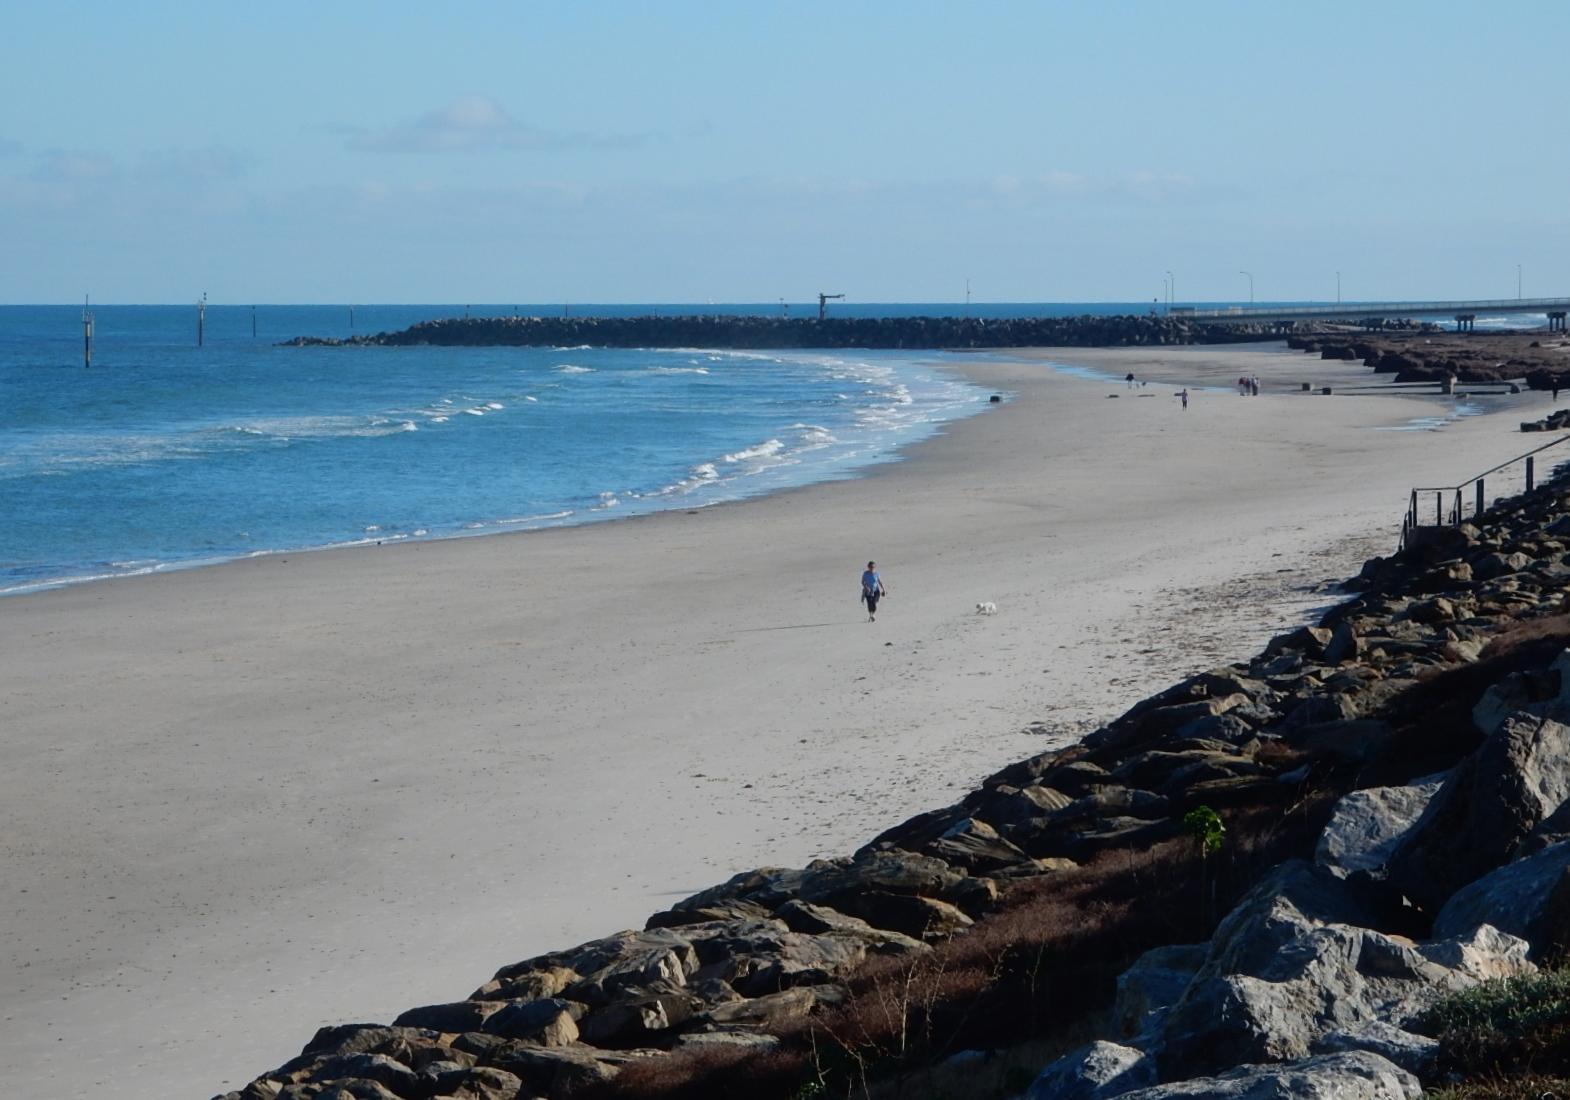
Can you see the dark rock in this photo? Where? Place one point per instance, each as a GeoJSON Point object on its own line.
{"type": "Point", "coordinates": [1529, 898]}
{"type": "Point", "coordinates": [1099, 1069]}
{"type": "Point", "coordinates": [549, 1022]}
{"type": "Point", "coordinates": [1486, 806]}
{"type": "Point", "coordinates": [1354, 1076]}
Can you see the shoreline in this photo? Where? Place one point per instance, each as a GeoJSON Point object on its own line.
{"type": "Point", "coordinates": [304, 789]}
{"type": "Point", "coordinates": [937, 396]}
{"type": "Point", "coordinates": [942, 360]}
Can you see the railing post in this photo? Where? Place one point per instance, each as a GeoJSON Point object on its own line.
{"type": "Point", "coordinates": [1439, 510]}
{"type": "Point", "coordinates": [1479, 497]}
{"type": "Point", "coordinates": [1529, 473]}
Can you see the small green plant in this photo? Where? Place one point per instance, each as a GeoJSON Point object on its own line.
{"type": "Point", "coordinates": [1206, 827]}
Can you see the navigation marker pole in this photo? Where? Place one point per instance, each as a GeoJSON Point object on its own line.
{"type": "Point", "coordinates": [351, 318]}
{"type": "Point", "coordinates": [253, 322]}
{"type": "Point", "coordinates": [201, 319]}
{"type": "Point", "coordinates": [87, 332]}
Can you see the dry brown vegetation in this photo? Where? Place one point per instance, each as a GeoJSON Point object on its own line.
{"type": "Point", "coordinates": [1035, 971]}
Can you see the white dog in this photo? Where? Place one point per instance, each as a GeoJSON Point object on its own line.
{"type": "Point", "coordinates": [986, 607]}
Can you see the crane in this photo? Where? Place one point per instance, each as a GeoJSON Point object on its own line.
{"type": "Point", "coordinates": [823, 302]}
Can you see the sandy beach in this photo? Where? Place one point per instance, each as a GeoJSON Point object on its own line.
{"type": "Point", "coordinates": [247, 800]}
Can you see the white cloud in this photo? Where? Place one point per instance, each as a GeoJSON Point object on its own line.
{"type": "Point", "coordinates": [475, 124]}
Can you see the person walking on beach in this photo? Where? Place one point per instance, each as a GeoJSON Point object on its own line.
{"type": "Point", "coordinates": [1183, 394]}
{"type": "Point", "coordinates": [872, 590]}
{"type": "Point", "coordinates": [1128, 381]}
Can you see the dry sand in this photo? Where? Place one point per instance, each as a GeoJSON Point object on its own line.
{"type": "Point", "coordinates": [247, 800]}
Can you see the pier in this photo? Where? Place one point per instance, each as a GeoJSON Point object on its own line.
{"type": "Point", "coordinates": [1464, 313]}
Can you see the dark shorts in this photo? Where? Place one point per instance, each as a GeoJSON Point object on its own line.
{"type": "Point", "coordinates": [871, 600]}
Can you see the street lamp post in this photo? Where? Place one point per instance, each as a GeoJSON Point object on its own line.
{"type": "Point", "coordinates": [1250, 287]}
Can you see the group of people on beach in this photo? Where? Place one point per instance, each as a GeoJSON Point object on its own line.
{"type": "Point", "coordinates": [1248, 385]}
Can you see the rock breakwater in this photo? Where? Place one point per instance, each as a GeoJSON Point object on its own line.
{"type": "Point", "coordinates": [1409, 754]}
{"type": "Point", "coordinates": [765, 333]}
{"type": "Point", "coordinates": [1433, 356]}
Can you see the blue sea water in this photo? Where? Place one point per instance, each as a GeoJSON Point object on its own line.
{"type": "Point", "coordinates": [164, 454]}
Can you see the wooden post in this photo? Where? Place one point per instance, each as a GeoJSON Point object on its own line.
{"type": "Point", "coordinates": [1457, 512]}
{"type": "Point", "coordinates": [1529, 473]}
{"type": "Point", "coordinates": [1439, 510]}
{"type": "Point", "coordinates": [1479, 497]}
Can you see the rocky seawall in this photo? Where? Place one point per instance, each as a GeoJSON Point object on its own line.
{"type": "Point", "coordinates": [1431, 356]}
{"type": "Point", "coordinates": [1368, 815]}
{"type": "Point", "coordinates": [752, 332]}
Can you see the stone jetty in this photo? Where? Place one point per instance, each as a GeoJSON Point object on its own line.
{"type": "Point", "coordinates": [754, 332]}
{"type": "Point", "coordinates": [1404, 763]}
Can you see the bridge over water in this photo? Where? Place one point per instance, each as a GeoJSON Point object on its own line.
{"type": "Point", "coordinates": [1463, 312]}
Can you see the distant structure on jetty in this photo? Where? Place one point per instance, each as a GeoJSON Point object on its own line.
{"type": "Point", "coordinates": [756, 332]}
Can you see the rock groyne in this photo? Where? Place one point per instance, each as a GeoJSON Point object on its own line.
{"type": "Point", "coordinates": [753, 332]}
{"type": "Point", "coordinates": [1369, 814]}
{"type": "Point", "coordinates": [1433, 356]}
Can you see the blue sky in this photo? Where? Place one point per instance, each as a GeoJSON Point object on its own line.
{"type": "Point", "coordinates": [675, 151]}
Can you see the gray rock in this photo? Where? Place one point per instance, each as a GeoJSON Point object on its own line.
{"type": "Point", "coordinates": [772, 1010]}
{"type": "Point", "coordinates": [1545, 694]}
{"type": "Point", "coordinates": [511, 984]}
{"type": "Point", "coordinates": [1412, 1052]}
{"type": "Point", "coordinates": [731, 1040]}
{"type": "Point", "coordinates": [446, 1079]}
{"type": "Point", "coordinates": [636, 1019]}
{"type": "Point", "coordinates": [392, 1075]}
{"type": "Point", "coordinates": [1286, 969]}
{"type": "Point", "coordinates": [1093, 1072]}
{"type": "Point", "coordinates": [1486, 806]}
{"type": "Point", "coordinates": [1355, 1076]}
{"type": "Point", "coordinates": [1154, 984]}
{"type": "Point", "coordinates": [458, 1016]}
{"type": "Point", "coordinates": [549, 1022]}
{"type": "Point", "coordinates": [1366, 825]}
{"type": "Point", "coordinates": [1552, 830]}
{"type": "Point", "coordinates": [1529, 898]}
{"type": "Point", "coordinates": [1356, 739]}
{"type": "Point", "coordinates": [975, 846]}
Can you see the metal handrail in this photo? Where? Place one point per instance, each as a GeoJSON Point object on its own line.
{"type": "Point", "coordinates": [1389, 309]}
{"type": "Point", "coordinates": [1457, 508]}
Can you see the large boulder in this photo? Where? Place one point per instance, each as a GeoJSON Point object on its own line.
{"type": "Point", "coordinates": [1093, 1072]}
{"type": "Point", "coordinates": [1287, 969]}
{"type": "Point", "coordinates": [1155, 983]}
{"type": "Point", "coordinates": [1529, 898]}
{"type": "Point", "coordinates": [1358, 1075]}
{"type": "Point", "coordinates": [1366, 825]}
{"type": "Point", "coordinates": [1544, 694]}
{"type": "Point", "coordinates": [1487, 805]}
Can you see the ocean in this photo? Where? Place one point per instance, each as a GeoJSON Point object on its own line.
{"type": "Point", "coordinates": [165, 455]}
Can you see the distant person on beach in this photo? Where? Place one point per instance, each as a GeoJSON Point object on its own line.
{"type": "Point", "coordinates": [1128, 380]}
{"type": "Point", "coordinates": [1183, 394]}
{"type": "Point", "coordinates": [872, 590]}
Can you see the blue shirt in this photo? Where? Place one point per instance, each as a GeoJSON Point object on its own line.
{"type": "Point", "coordinates": [871, 582]}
